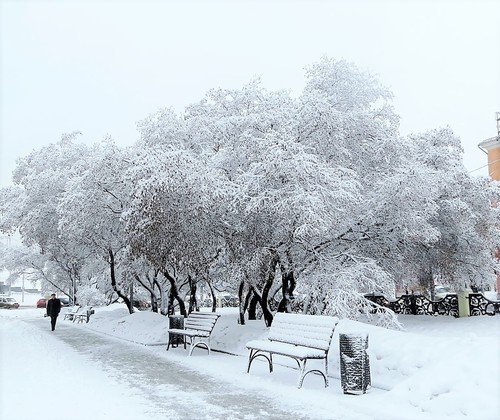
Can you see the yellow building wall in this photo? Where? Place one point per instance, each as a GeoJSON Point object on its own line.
{"type": "Point", "coordinates": [494, 163]}
{"type": "Point", "coordinates": [494, 172]}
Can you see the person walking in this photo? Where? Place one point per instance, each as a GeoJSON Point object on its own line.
{"type": "Point", "coordinates": [53, 309]}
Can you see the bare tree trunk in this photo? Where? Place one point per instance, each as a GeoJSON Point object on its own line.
{"type": "Point", "coordinates": [426, 280]}
{"type": "Point", "coordinates": [132, 294]}
{"type": "Point", "coordinates": [193, 304]}
{"type": "Point", "coordinates": [264, 300]}
{"type": "Point", "coordinates": [170, 305]}
{"type": "Point", "coordinates": [266, 312]}
{"type": "Point", "coordinates": [241, 306]}
{"type": "Point", "coordinates": [154, 303]}
{"type": "Point", "coordinates": [247, 300]}
{"type": "Point", "coordinates": [111, 263]}
{"type": "Point", "coordinates": [252, 307]}
{"type": "Point", "coordinates": [150, 289]}
{"type": "Point", "coordinates": [162, 295]}
{"type": "Point", "coordinates": [174, 295]}
{"type": "Point", "coordinates": [288, 286]}
{"type": "Point", "coordinates": [212, 293]}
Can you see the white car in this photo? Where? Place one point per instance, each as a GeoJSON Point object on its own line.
{"type": "Point", "coordinates": [441, 291]}
{"type": "Point", "coordinates": [8, 302]}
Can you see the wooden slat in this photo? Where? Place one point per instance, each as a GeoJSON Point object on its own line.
{"type": "Point", "coordinates": [203, 321]}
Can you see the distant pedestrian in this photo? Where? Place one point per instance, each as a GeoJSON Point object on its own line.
{"type": "Point", "coordinates": [53, 309]}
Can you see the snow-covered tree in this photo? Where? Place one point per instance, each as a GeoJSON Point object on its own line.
{"type": "Point", "coordinates": [172, 218]}
{"type": "Point", "coordinates": [304, 202]}
{"type": "Point", "coordinates": [466, 221]}
{"type": "Point", "coordinates": [91, 208]}
{"type": "Point", "coordinates": [31, 206]}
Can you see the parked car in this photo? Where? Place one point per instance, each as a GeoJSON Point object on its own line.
{"type": "Point", "coordinates": [8, 302]}
{"type": "Point", "coordinates": [64, 301]}
{"type": "Point", "coordinates": [41, 303]}
{"type": "Point", "coordinates": [140, 304]}
{"type": "Point", "coordinates": [440, 292]}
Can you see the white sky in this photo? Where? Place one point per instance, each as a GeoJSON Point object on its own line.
{"type": "Point", "coordinates": [99, 67]}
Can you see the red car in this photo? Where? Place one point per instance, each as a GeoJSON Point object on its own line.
{"type": "Point", "coordinates": [42, 303]}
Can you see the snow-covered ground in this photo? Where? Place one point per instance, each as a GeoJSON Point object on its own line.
{"type": "Point", "coordinates": [117, 367]}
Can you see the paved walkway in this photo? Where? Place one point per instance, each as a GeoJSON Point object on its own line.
{"type": "Point", "coordinates": [167, 385]}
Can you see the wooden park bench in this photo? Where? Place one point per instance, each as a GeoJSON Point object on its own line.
{"type": "Point", "coordinates": [72, 312]}
{"type": "Point", "coordinates": [198, 327]}
{"type": "Point", "coordinates": [301, 337]}
{"type": "Point", "coordinates": [83, 315]}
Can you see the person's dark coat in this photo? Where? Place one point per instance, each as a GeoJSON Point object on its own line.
{"type": "Point", "coordinates": [53, 307]}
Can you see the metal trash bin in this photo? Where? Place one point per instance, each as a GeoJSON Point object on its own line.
{"type": "Point", "coordinates": [354, 363]}
{"type": "Point", "coordinates": [175, 321]}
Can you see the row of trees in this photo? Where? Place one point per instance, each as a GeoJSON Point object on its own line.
{"type": "Point", "coordinates": [283, 200]}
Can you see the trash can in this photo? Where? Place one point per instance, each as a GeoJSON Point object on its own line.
{"type": "Point", "coordinates": [354, 363]}
{"type": "Point", "coordinates": [175, 321]}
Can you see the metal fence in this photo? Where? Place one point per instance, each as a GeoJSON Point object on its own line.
{"type": "Point", "coordinates": [480, 305]}
{"type": "Point", "coordinates": [421, 305]}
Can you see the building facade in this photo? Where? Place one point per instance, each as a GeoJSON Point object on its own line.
{"type": "Point", "coordinates": [491, 146]}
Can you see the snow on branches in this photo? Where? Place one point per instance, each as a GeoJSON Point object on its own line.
{"type": "Point", "coordinates": [307, 201]}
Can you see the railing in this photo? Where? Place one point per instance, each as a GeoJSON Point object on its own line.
{"type": "Point", "coordinates": [480, 305]}
{"type": "Point", "coordinates": [418, 305]}
{"type": "Point", "coordinates": [421, 305]}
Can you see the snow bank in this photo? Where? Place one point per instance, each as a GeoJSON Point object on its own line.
{"type": "Point", "coordinates": [442, 366]}
{"type": "Point", "coordinates": [439, 368]}
{"type": "Point", "coordinates": [146, 328]}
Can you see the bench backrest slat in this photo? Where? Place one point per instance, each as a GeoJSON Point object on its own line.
{"type": "Point", "coordinates": [204, 315]}
{"type": "Point", "coordinates": [201, 321]}
{"type": "Point", "coordinates": [85, 309]}
{"type": "Point", "coordinates": [314, 331]}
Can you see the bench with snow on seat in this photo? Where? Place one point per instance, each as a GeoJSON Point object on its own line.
{"type": "Point", "coordinates": [198, 327]}
{"type": "Point", "coordinates": [83, 314]}
{"type": "Point", "coordinates": [301, 337]}
{"type": "Point", "coordinates": [72, 312]}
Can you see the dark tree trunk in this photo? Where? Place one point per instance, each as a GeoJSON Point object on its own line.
{"type": "Point", "coordinates": [170, 305]}
{"type": "Point", "coordinates": [266, 312]}
{"type": "Point", "coordinates": [150, 289]}
{"type": "Point", "coordinates": [126, 300]}
{"type": "Point", "coordinates": [426, 280]}
{"type": "Point", "coordinates": [162, 295]}
{"type": "Point", "coordinates": [212, 293]}
{"type": "Point", "coordinates": [252, 307]}
{"type": "Point", "coordinates": [174, 295]}
{"type": "Point", "coordinates": [247, 300]}
{"type": "Point", "coordinates": [288, 286]}
{"type": "Point", "coordinates": [132, 295]}
{"type": "Point", "coordinates": [154, 303]}
{"type": "Point", "coordinates": [241, 305]}
{"type": "Point", "coordinates": [193, 303]}
{"type": "Point", "coordinates": [264, 300]}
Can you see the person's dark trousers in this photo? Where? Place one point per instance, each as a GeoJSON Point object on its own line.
{"type": "Point", "coordinates": [53, 320]}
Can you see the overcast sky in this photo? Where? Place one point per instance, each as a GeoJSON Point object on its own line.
{"type": "Point", "coordinates": [100, 66]}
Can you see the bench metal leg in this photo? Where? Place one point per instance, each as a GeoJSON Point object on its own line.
{"type": "Point", "coordinates": [254, 354]}
{"type": "Point", "coordinates": [194, 342]}
{"type": "Point", "coordinates": [303, 373]}
{"type": "Point", "coordinates": [326, 371]}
